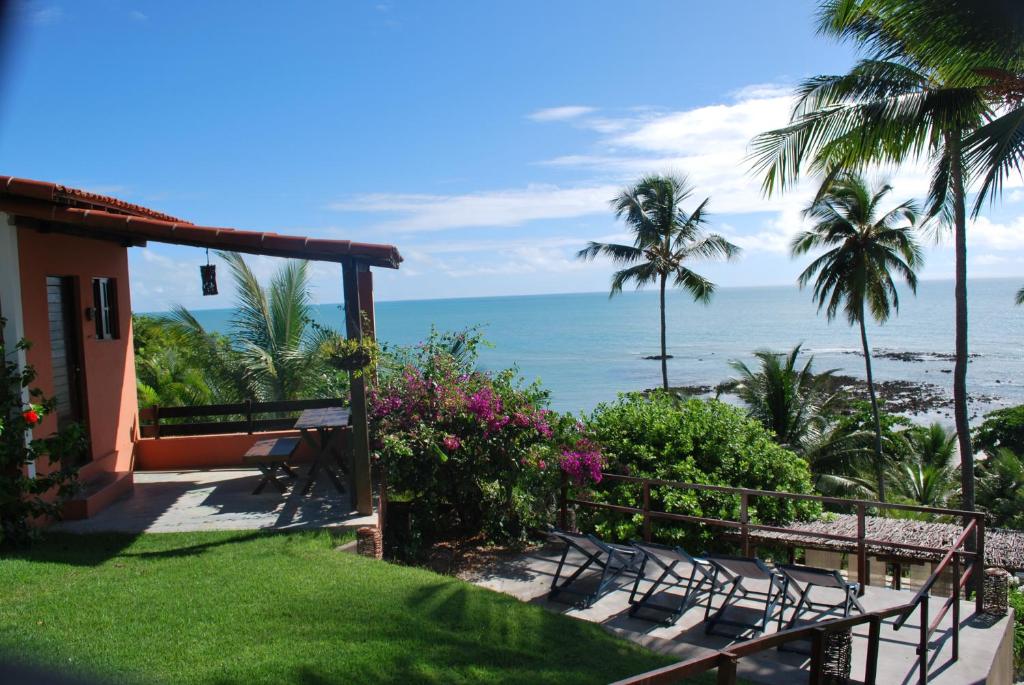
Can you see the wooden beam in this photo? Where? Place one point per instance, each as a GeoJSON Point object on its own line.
{"type": "Point", "coordinates": [363, 495]}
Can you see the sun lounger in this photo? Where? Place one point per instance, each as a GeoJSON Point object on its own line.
{"type": "Point", "coordinates": [731, 572]}
{"type": "Point", "coordinates": [666, 563]}
{"type": "Point", "coordinates": [810, 577]}
{"type": "Point", "coordinates": [612, 560]}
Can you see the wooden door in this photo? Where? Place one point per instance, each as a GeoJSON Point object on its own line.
{"type": "Point", "coordinates": [65, 351]}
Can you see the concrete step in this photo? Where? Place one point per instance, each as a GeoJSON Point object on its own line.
{"type": "Point", "coordinates": [98, 493]}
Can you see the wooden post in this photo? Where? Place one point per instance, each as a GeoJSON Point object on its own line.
{"type": "Point", "coordinates": [647, 510]}
{"type": "Point", "coordinates": [817, 676]}
{"type": "Point", "coordinates": [156, 421]}
{"type": "Point", "coordinates": [979, 566]}
{"type": "Point", "coordinates": [744, 523]}
{"type": "Point", "coordinates": [862, 557]}
{"type": "Point", "coordinates": [727, 668]}
{"type": "Point", "coordinates": [922, 657]}
{"type": "Point", "coordinates": [956, 606]}
{"type": "Point", "coordinates": [874, 639]}
{"type": "Point", "coordinates": [248, 416]}
{"type": "Point", "coordinates": [360, 448]}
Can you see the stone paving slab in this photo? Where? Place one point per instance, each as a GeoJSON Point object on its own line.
{"type": "Point", "coordinates": [180, 501]}
{"type": "Point", "coordinates": [528, 577]}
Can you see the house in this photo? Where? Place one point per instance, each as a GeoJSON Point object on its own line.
{"type": "Point", "coordinates": [64, 285]}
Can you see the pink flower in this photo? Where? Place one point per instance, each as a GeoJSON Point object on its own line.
{"type": "Point", "coordinates": [542, 465]}
{"type": "Point", "coordinates": [582, 463]}
{"type": "Point", "coordinates": [451, 443]}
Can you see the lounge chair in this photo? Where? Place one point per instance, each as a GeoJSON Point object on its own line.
{"type": "Point", "coordinates": [612, 560]}
{"type": "Point", "coordinates": [667, 560]}
{"type": "Point", "coordinates": [810, 578]}
{"type": "Point", "coordinates": [731, 572]}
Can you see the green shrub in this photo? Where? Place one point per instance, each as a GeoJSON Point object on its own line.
{"type": "Point", "coordinates": [1017, 602]}
{"type": "Point", "coordinates": [1003, 428]}
{"type": "Point", "coordinates": [699, 441]}
{"type": "Point", "coordinates": [469, 453]}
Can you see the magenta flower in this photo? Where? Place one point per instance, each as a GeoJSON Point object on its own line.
{"type": "Point", "coordinates": [451, 443]}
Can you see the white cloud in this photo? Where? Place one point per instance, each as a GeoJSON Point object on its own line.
{"type": "Point", "coordinates": [138, 16]}
{"type": "Point", "coordinates": [986, 234]}
{"type": "Point", "coordinates": [43, 15]}
{"type": "Point", "coordinates": [510, 207]}
{"type": "Point", "coordinates": [564, 113]}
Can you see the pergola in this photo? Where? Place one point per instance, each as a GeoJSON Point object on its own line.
{"type": "Point", "coordinates": [49, 207]}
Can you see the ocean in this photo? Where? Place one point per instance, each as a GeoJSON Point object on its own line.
{"type": "Point", "coordinates": [586, 348]}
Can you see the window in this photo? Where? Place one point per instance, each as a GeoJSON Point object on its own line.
{"type": "Point", "coordinates": [104, 296]}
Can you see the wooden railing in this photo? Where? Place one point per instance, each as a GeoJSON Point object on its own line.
{"type": "Point", "coordinates": [241, 417]}
{"type": "Point", "coordinates": [969, 546]}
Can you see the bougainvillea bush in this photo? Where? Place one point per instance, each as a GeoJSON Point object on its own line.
{"type": "Point", "coordinates": [470, 452]}
{"type": "Point", "coordinates": [660, 436]}
{"type": "Point", "coordinates": [23, 499]}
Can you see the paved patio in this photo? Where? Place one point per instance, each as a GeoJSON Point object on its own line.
{"type": "Point", "coordinates": [180, 501]}
{"type": "Point", "coordinates": [529, 576]}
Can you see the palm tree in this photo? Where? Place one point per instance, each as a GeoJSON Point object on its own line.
{"type": "Point", "coordinates": [1019, 299]}
{"type": "Point", "coordinates": [796, 403]}
{"type": "Point", "coordinates": [865, 248]}
{"type": "Point", "coordinates": [666, 239]}
{"type": "Point", "coordinates": [275, 347]}
{"type": "Point", "coordinates": [788, 399]}
{"type": "Point", "coordinates": [890, 107]}
{"type": "Point", "coordinates": [929, 476]}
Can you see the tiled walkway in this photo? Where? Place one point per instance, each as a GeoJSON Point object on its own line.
{"type": "Point", "coordinates": [178, 501]}
{"type": "Point", "coordinates": [528, 578]}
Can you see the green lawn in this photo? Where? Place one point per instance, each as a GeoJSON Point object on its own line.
{"type": "Point", "coordinates": [285, 608]}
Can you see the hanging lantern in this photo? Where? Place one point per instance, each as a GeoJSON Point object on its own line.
{"type": "Point", "coordinates": [208, 272]}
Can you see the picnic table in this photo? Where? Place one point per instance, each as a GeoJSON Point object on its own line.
{"type": "Point", "coordinates": [319, 428]}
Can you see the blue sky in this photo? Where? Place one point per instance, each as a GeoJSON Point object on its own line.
{"type": "Point", "coordinates": [484, 139]}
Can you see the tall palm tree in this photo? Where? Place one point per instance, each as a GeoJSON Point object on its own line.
{"type": "Point", "coordinates": [275, 347]}
{"type": "Point", "coordinates": [865, 247]}
{"type": "Point", "coordinates": [666, 239]}
{"type": "Point", "coordinates": [896, 105]}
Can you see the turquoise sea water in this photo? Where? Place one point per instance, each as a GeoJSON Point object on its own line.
{"type": "Point", "coordinates": [586, 348]}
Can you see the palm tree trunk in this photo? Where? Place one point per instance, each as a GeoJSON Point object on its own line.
{"type": "Point", "coordinates": [664, 353]}
{"type": "Point", "coordinates": [879, 463]}
{"type": "Point", "coordinates": [963, 429]}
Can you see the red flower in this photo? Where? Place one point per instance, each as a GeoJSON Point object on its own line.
{"type": "Point", "coordinates": [31, 417]}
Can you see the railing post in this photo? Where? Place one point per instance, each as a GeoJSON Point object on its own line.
{"type": "Point", "coordinates": [156, 421]}
{"type": "Point", "coordinates": [817, 657]}
{"type": "Point", "coordinates": [727, 668]}
{"type": "Point", "coordinates": [248, 415]}
{"type": "Point", "coordinates": [874, 638]}
{"type": "Point", "coordinates": [922, 657]}
{"type": "Point", "coordinates": [979, 565]}
{"type": "Point", "coordinates": [862, 558]}
{"type": "Point", "coordinates": [956, 606]}
{"type": "Point", "coordinates": [744, 523]}
{"type": "Point", "coordinates": [647, 510]}
{"type": "Point", "coordinates": [563, 505]}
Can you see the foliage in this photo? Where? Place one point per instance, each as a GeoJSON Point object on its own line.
{"type": "Point", "coordinates": [790, 400]}
{"type": "Point", "coordinates": [348, 354]}
{"type": "Point", "coordinates": [104, 605]}
{"type": "Point", "coordinates": [472, 452]}
{"type": "Point", "coordinates": [1017, 604]}
{"type": "Point", "coordinates": [700, 441]}
{"type": "Point", "coordinates": [1001, 487]}
{"type": "Point", "coordinates": [275, 350]}
{"type": "Point", "coordinates": [929, 476]}
{"type": "Point", "coordinates": [666, 240]}
{"type": "Point", "coordinates": [1003, 428]}
{"type": "Point", "coordinates": [897, 104]}
{"type": "Point", "coordinates": [23, 499]}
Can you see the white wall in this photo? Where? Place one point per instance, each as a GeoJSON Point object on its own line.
{"type": "Point", "coordinates": [10, 297]}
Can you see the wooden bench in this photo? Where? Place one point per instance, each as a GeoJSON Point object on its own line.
{"type": "Point", "coordinates": [271, 457]}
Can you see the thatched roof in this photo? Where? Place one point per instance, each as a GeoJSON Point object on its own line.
{"type": "Point", "coordinates": [1003, 547]}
